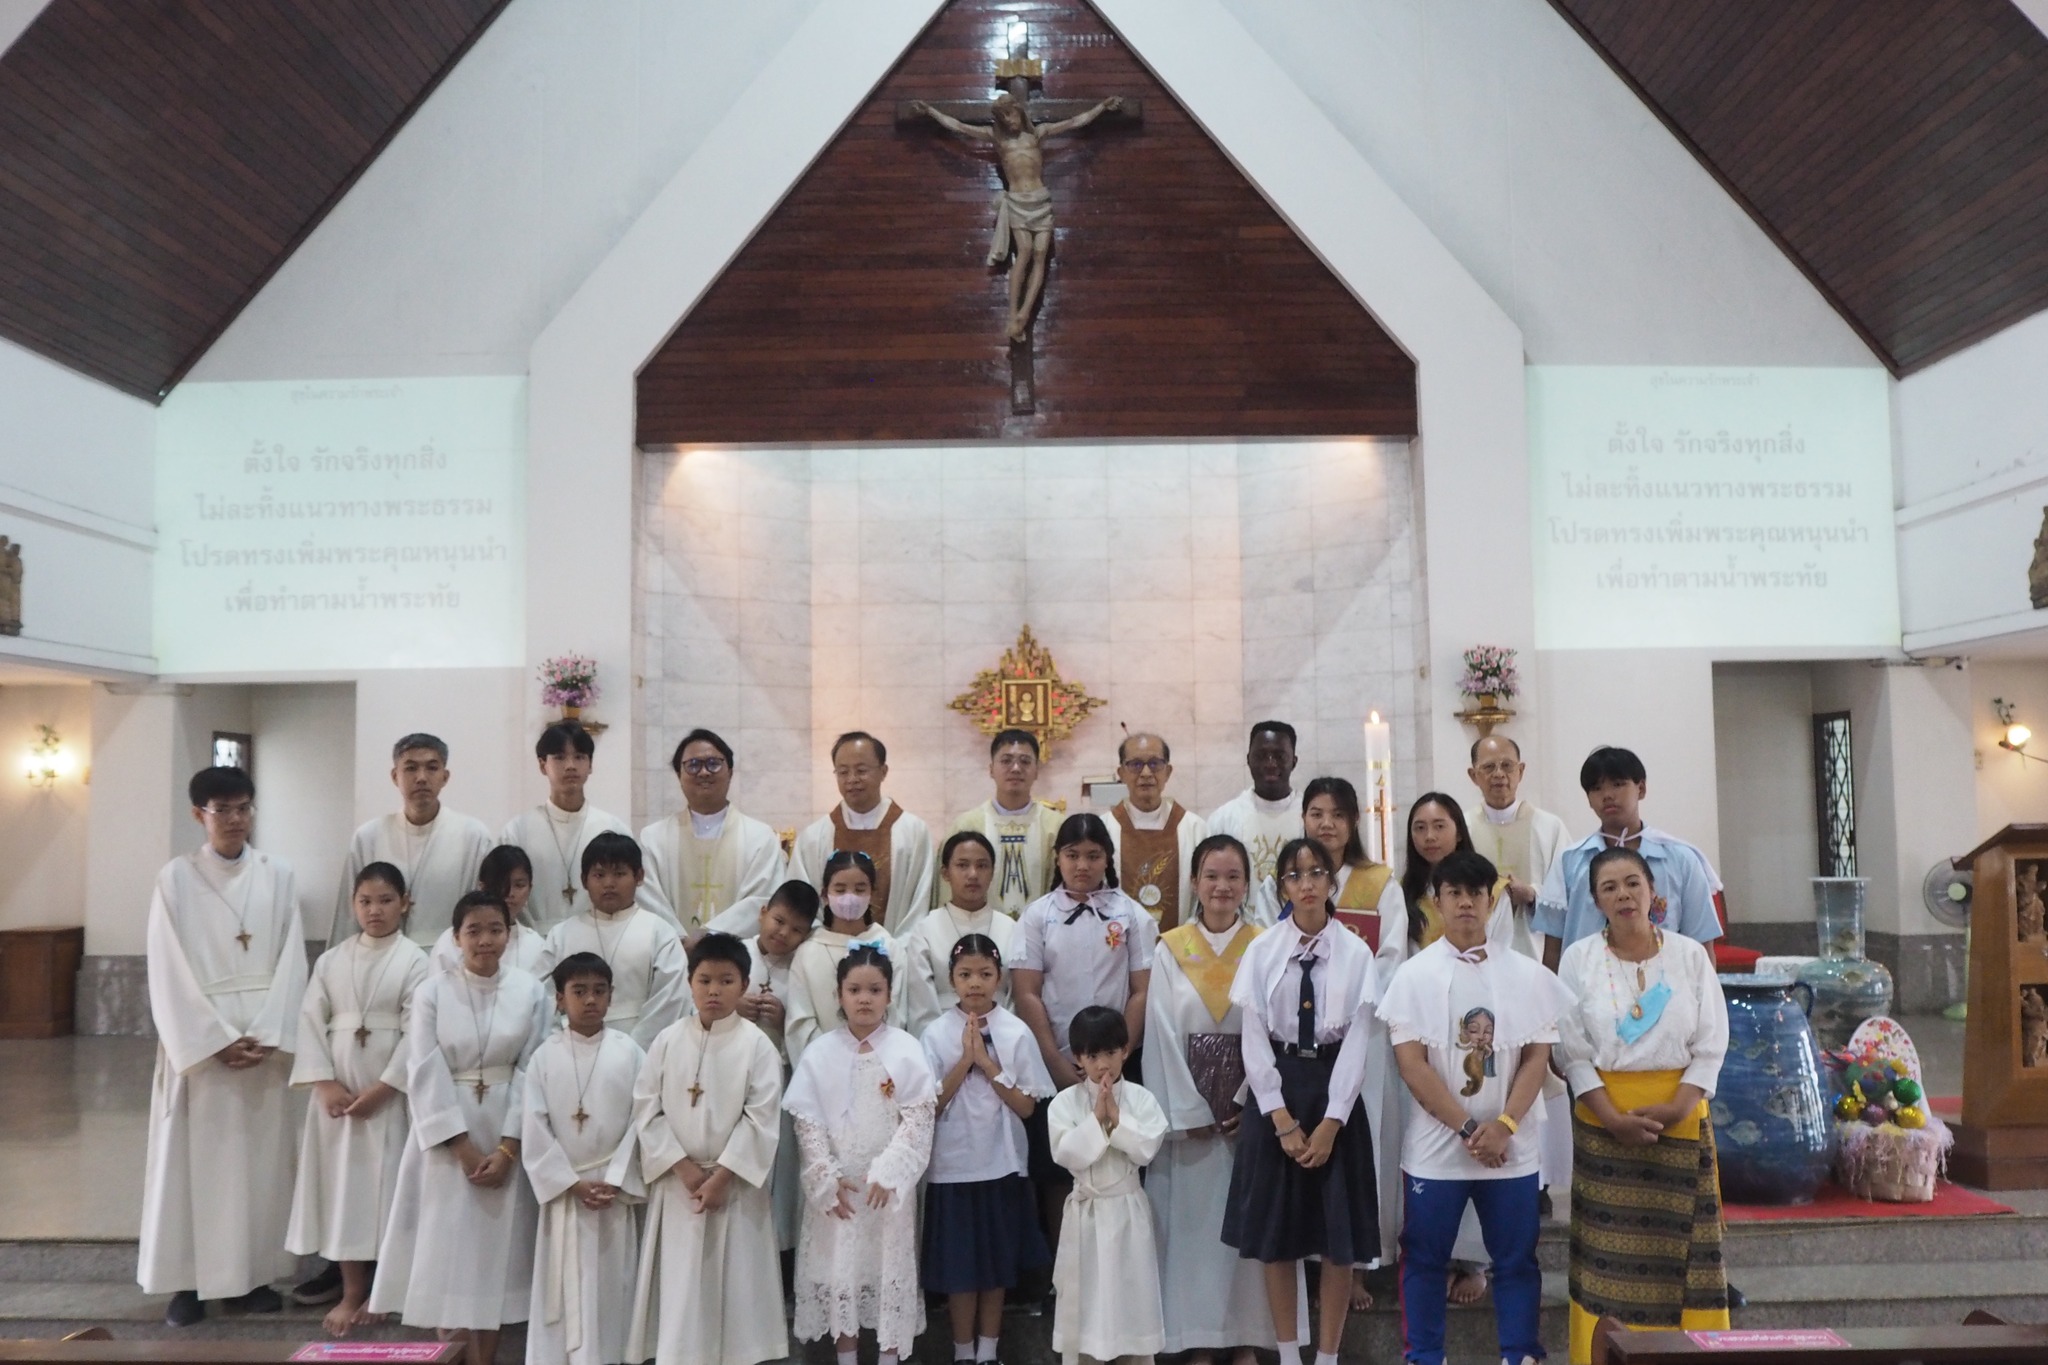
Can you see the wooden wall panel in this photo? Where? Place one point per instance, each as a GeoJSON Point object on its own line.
{"type": "Point", "coordinates": [1178, 304]}
{"type": "Point", "coordinates": [1897, 150]}
{"type": "Point", "coordinates": [160, 159]}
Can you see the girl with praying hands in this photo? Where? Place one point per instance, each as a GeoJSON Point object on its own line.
{"type": "Point", "coordinates": [850, 922]}
{"type": "Point", "coordinates": [457, 1254]}
{"type": "Point", "coordinates": [352, 1056]}
{"type": "Point", "coordinates": [507, 873]}
{"type": "Point", "coordinates": [1642, 1048]}
{"type": "Point", "coordinates": [864, 1102]}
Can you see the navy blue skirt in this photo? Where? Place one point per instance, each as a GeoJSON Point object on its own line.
{"type": "Point", "coordinates": [980, 1234]}
{"type": "Point", "coordinates": [1279, 1211]}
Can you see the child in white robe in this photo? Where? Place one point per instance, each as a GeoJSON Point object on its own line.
{"type": "Point", "coordinates": [352, 1056]}
{"type": "Point", "coordinates": [649, 986]}
{"type": "Point", "coordinates": [707, 1113]}
{"type": "Point", "coordinates": [849, 881]}
{"type": "Point", "coordinates": [968, 864]}
{"type": "Point", "coordinates": [227, 968]}
{"type": "Point", "coordinates": [1105, 1130]}
{"type": "Point", "coordinates": [980, 1217]}
{"type": "Point", "coordinates": [458, 1252]}
{"type": "Point", "coordinates": [578, 1151]}
{"type": "Point", "coordinates": [1214, 1299]}
{"type": "Point", "coordinates": [507, 873]}
{"type": "Point", "coordinates": [864, 1102]}
{"type": "Point", "coordinates": [786, 920]}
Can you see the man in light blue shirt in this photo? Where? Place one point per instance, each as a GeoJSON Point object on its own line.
{"type": "Point", "coordinates": [1615, 783]}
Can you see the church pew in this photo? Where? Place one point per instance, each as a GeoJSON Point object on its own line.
{"type": "Point", "coordinates": [87, 1351]}
{"type": "Point", "coordinates": [1983, 1338]}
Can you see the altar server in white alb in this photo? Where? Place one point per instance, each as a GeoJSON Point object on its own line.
{"type": "Point", "coordinates": [458, 1251]}
{"type": "Point", "coordinates": [436, 850]}
{"type": "Point", "coordinates": [707, 1112]}
{"type": "Point", "coordinates": [865, 821]}
{"type": "Point", "coordinates": [967, 863]}
{"type": "Point", "coordinates": [507, 873]}
{"type": "Point", "coordinates": [1266, 815]}
{"type": "Point", "coordinates": [352, 1057]}
{"type": "Point", "coordinates": [555, 833]}
{"type": "Point", "coordinates": [227, 967]}
{"type": "Point", "coordinates": [786, 922]}
{"type": "Point", "coordinates": [649, 989]}
{"type": "Point", "coordinates": [1105, 1131]}
{"type": "Point", "coordinates": [579, 1153]}
{"type": "Point", "coordinates": [1019, 827]}
{"type": "Point", "coordinates": [712, 864]}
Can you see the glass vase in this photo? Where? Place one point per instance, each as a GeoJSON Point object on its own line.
{"type": "Point", "coordinates": [1847, 986]}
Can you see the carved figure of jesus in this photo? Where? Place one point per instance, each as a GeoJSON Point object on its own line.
{"type": "Point", "coordinates": [2033, 914]}
{"type": "Point", "coordinates": [1023, 230]}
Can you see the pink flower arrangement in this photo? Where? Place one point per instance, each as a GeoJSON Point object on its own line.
{"type": "Point", "coordinates": [1490, 668]}
{"type": "Point", "coordinates": [568, 680]}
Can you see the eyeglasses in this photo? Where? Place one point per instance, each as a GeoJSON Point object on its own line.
{"type": "Point", "coordinates": [1305, 874]}
{"type": "Point", "coordinates": [241, 811]}
{"type": "Point", "coordinates": [703, 767]}
{"type": "Point", "coordinates": [1147, 765]}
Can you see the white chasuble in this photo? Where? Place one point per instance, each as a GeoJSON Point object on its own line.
{"type": "Point", "coordinates": [716, 883]}
{"type": "Point", "coordinates": [924, 973]}
{"type": "Point", "coordinates": [579, 1126]}
{"type": "Point", "coordinates": [227, 960]}
{"type": "Point", "coordinates": [554, 839]}
{"type": "Point", "coordinates": [909, 872]}
{"type": "Point", "coordinates": [1213, 1298]}
{"type": "Point", "coordinates": [456, 1254]}
{"type": "Point", "coordinates": [650, 976]}
{"type": "Point", "coordinates": [1106, 1272]}
{"type": "Point", "coordinates": [1024, 857]}
{"type": "Point", "coordinates": [1263, 827]}
{"type": "Point", "coordinates": [352, 1031]}
{"type": "Point", "coordinates": [439, 860]}
{"type": "Point", "coordinates": [709, 1290]}
{"type": "Point", "coordinates": [1523, 849]}
{"type": "Point", "coordinates": [812, 1009]}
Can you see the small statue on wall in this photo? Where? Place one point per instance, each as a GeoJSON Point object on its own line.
{"type": "Point", "coordinates": [2037, 572]}
{"type": "Point", "coordinates": [2033, 1026]}
{"type": "Point", "coordinates": [2033, 914]}
{"type": "Point", "coordinates": [10, 587]}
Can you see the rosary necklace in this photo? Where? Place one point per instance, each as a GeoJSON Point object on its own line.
{"type": "Point", "coordinates": [582, 1083]}
{"type": "Point", "coordinates": [240, 912]}
{"type": "Point", "coordinates": [1642, 979]}
{"type": "Point", "coordinates": [363, 998]}
{"type": "Point", "coordinates": [568, 883]}
{"type": "Point", "coordinates": [483, 1033]}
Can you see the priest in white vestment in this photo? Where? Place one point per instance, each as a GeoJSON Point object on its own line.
{"type": "Point", "coordinates": [227, 969]}
{"type": "Point", "coordinates": [1155, 836]}
{"type": "Point", "coordinates": [1266, 815]}
{"type": "Point", "coordinates": [866, 821]}
{"type": "Point", "coordinates": [439, 850]}
{"type": "Point", "coordinates": [710, 863]}
{"type": "Point", "coordinates": [650, 986]}
{"type": "Point", "coordinates": [1513, 834]}
{"type": "Point", "coordinates": [555, 833]}
{"type": "Point", "coordinates": [1020, 828]}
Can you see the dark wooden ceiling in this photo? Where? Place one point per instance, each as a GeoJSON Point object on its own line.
{"type": "Point", "coordinates": [160, 159]}
{"type": "Point", "coordinates": [1897, 150]}
{"type": "Point", "coordinates": [1178, 302]}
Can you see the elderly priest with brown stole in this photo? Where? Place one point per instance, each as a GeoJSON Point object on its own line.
{"type": "Point", "coordinates": [1155, 836]}
{"type": "Point", "coordinates": [865, 821]}
{"type": "Point", "coordinates": [713, 866]}
{"type": "Point", "coordinates": [1510, 833]}
{"type": "Point", "coordinates": [227, 967]}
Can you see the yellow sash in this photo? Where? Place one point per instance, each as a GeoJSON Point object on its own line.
{"type": "Point", "coordinates": [1363, 888]}
{"type": "Point", "coordinates": [1433, 921]}
{"type": "Point", "coordinates": [1627, 1090]}
{"type": "Point", "coordinates": [1208, 973]}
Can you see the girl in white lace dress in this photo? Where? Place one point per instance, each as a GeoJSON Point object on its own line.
{"type": "Point", "coordinates": [863, 1100]}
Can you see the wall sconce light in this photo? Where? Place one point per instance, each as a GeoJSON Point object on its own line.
{"type": "Point", "coordinates": [49, 760]}
{"type": "Point", "coordinates": [2016, 735]}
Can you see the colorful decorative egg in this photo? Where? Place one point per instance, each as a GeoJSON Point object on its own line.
{"type": "Point", "coordinates": [1912, 1116]}
{"type": "Point", "coordinates": [1908, 1090]}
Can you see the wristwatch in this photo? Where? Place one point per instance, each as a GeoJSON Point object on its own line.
{"type": "Point", "coordinates": [1471, 1127]}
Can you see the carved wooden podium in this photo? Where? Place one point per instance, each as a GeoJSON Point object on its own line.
{"type": "Point", "coordinates": [2002, 1141]}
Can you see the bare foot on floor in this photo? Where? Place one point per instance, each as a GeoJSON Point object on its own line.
{"type": "Point", "coordinates": [1361, 1297]}
{"type": "Point", "coordinates": [341, 1317]}
{"type": "Point", "coordinates": [1467, 1287]}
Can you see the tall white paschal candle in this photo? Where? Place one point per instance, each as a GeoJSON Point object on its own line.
{"type": "Point", "coordinates": [1379, 788]}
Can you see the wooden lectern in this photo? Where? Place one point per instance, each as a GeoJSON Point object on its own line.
{"type": "Point", "coordinates": [2002, 1141]}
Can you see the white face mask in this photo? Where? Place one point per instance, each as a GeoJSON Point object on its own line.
{"type": "Point", "coordinates": [848, 905]}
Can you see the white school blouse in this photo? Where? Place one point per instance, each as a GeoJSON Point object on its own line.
{"type": "Point", "coordinates": [1268, 989]}
{"type": "Point", "coordinates": [1691, 1036]}
{"type": "Point", "coordinates": [977, 1136]}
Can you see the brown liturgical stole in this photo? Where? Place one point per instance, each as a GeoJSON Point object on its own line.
{"type": "Point", "coordinates": [873, 842]}
{"type": "Point", "coordinates": [1148, 864]}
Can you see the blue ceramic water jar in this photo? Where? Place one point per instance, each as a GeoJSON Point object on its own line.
{"type": "Point", "coordinates": [1771, 1121]}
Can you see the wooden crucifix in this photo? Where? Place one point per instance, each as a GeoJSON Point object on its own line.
{"type": "Point", "coordinates": [1019, 123]}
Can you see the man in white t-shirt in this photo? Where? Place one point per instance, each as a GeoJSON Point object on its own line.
{"type": "Point", "coordinates": [1472, 1028]}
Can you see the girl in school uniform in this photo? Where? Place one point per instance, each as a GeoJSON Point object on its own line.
{"type": "Point", "coordinates": [1302, 1184]}
{"type": "Point", "coordinates": [457, 1254]}
{"type": "Point", "coordinates": [506, 873]}
{"type": "Point", "coordinates": [849, 922]}
{"type": "Point", "coordinates": [864, 1101]}
{"type": "Point", "coordinates": [980, 1221]}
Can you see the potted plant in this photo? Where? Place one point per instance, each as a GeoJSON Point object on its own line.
{"type": "Point", "coordinates": [570, 682]}
{"type": "Point", "coordinates": [1490, 676]}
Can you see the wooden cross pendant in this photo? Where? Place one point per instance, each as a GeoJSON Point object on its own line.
{"type": "Point", "coordinates": [482, 1089]}
{"type": "Point", "coordinates": [696, 1093]}
{"type": "Point", "coordinates": [245, 938]}
{"type": "Point", "coordinates": [568, 892]}
{"type": "Point", "coordinates": [580, 1117]}
{"type": "Point", "coordinates": [363, 1036]}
